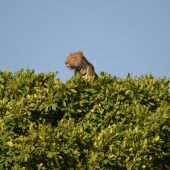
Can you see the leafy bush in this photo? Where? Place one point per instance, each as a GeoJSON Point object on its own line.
{"type": "Point", "coordinates": [113, 123]}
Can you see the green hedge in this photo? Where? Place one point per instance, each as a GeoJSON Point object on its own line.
{"type": "Point", "coordinates": [113, 123]}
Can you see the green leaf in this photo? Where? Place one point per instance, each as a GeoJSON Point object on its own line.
{"type": "Point", "coordinates": [54, 107]}
{"type": "Point", "coordinates": [50, 154]}
{"type": "Point", "coordinates": [73, 91]}
{"type": "Point", "coordinates": [66, 151]}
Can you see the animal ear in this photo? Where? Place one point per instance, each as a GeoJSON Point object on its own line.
{"type": "Point", "coordinates": [81, 53]}
{"type": "Point", "coordinates": [68, 54]}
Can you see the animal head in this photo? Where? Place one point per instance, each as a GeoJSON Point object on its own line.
{"type": "Point", "coordinates": [75, 60]}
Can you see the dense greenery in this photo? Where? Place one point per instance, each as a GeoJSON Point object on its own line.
{"type": "Point", "coordinates": [113, 123]}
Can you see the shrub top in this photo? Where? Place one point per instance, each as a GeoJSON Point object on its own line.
{"type": "Point", "coordinates": [111, 123]}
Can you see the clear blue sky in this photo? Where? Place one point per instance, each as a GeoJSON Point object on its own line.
{"type": "Point", "coordinates": [117, 36]}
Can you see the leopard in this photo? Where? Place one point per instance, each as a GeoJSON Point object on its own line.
{"type": "Point", "coordinates": [78, 62]}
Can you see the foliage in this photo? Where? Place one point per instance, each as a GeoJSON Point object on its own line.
{"type": "Point", "coordinates": [112, 123]}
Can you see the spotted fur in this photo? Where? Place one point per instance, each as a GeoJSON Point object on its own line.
{"type": "Point", "coordinates": [77, 61]}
